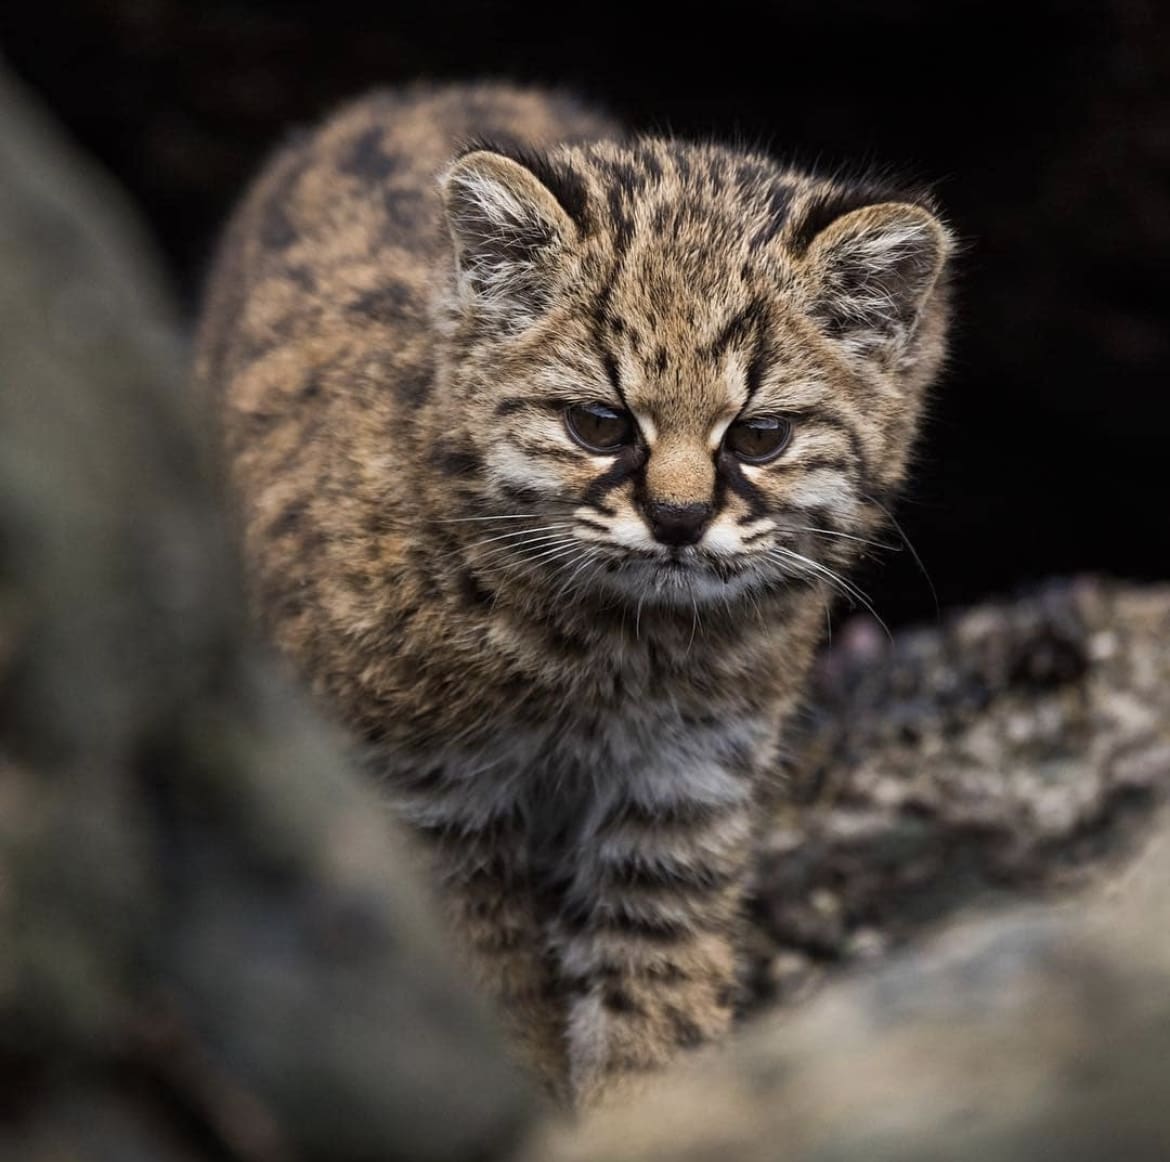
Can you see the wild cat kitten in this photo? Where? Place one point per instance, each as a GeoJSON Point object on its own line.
{"type": "Point", "coordinates": [548, 459]}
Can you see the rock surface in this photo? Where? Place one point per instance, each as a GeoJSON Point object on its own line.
{"type": "Point", "coordinates": [1032, 1034]}
{"type": "Point", "coordinates": [210, 946]}
{"type": "Point", "coordinates": [1018, 748]}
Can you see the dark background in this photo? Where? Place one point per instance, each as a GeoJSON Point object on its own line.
{"type": "Point", "coordinates": [1045, 125]}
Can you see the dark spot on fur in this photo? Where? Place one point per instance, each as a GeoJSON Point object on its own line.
{"type": "Point", "coordinates": [288, 522]}
{"type": "Point", "coordinates": [367, 158]}
{"type": "Point", "coordinates": [519, 494]}
{"type": "Point", "coordinates": [285, 607]}
{"type": "Point", "coordinates": [648, 160]}
{"type": "Point", "coordinates": [761, 358]}
{"type": "Point", "coordinates": [260, 422]}
{"type": "Point", "coordinates": [383, 304]}
{"type": "Point", "coordinates": [683, 814]}
{"type": "Point", "coordinates": [620, 221]}
{"type": "Point", "coordinates": [745, 323]}
{"type": "Point", "coordinates": [727, 997]}
{"type": "Point", "coordinates": [276, 230]}
{"type": "Point", "coordinates": [514, 404]}
{"type": "Point", "coordinates": [452, 460]}
{"type": "Point", "coordinates": [669, 877]}
{"type": "Point", "coordinates": [406, 210]}
{"type": "Point", "coordinates": [687, 1034]}
{"type": "Point", "coordinates": [472, 592]}
{"type": "Point", "coordinates": [414, 386]}
{"type": "Point", "coordinates": [652, 929]}
{"type": "Point", "coordinates": [577, 985]}
{"type": "Point", "coordinates": [618, 1000]}
{"type": "Point", "coordinates": [627, 177]}
{"type": "Point", "coordinates": [302, 276]}
{"type": "Point", "coordinates": [779, 204]}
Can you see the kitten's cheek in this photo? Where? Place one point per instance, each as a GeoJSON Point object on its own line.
{"type": "Point", "coordinates": [825, 488]}
{"type": "Point", "coordinates": [511, 467]}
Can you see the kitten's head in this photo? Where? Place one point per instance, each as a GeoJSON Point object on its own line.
{"type": "Point", "coordinates": [679, 374]}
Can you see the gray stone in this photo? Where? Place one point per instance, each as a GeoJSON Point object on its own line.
{"type": "Point", "coordinates": [211, 944]}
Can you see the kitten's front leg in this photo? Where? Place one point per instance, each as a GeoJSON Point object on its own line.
{"type": "Point", "coordinates": [649, 939]}
{"type": "Point", "coordinates": [488, 898]}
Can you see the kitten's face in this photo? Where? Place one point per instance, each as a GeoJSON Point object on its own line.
{"type": "Point", "coordinates": [660, 408]}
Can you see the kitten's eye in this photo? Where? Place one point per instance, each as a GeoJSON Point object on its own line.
{"type": "Point", "coordinates": [760, 439]}
{"type": "Point", "coordinates": [599, 428]}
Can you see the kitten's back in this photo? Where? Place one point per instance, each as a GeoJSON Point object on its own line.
{"type": "Point", "coordinates": [358, 200]}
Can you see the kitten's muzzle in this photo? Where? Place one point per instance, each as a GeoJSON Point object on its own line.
{"type": "Point", "coordinates": [678, 524]}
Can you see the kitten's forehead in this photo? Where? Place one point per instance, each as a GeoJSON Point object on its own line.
{"type": "Point", "coordinates": [684, 345]}
{"type": "Point", "coordinates": [688, 293]}
{"type": "Point", "coordinates": [676, 379]}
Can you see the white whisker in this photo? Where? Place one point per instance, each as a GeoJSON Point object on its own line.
{"type": "Point", "coordinates": [511, 516]}
{"type": "Point", "coordinates": [835, 533]}
{"type": "Point", "coordinates": [834, 579]}
{"type": "Point", "coordinates": [913, 551]}
{"type": "Point", "coordinates": [505, 536]}
{"type": "Point", "coordinates": [548, 556]}
{"type": "Point", "coordinates": [518, 545]}
{"type": "Point", "coordinates": [521, 533]}
{"type": "Point", "coordinates": [591, 555]}
{"type": "Point", "coordinates": [501, 556]}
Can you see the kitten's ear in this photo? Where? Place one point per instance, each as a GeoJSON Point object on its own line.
{"type": "Point", "coordinates": [509, 232]}
{"type": "Point", "coordinates": [873, 273]}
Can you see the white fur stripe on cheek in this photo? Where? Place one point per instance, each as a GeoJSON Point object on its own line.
{"type": "Point", "coordinates": [507, 464]}
{"type": "Point", "coordinates": [823, 488]}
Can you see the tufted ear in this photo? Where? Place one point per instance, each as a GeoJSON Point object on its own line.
{"type": "Point", "coordinates": [509, 232]}
{"type": "Point", "coordinates": [873, 272]}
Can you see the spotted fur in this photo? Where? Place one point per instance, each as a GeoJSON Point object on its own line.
{"type": "Point", "coordinates": [576, 719]}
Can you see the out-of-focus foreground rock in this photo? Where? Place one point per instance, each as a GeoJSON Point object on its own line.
{"type": "Point", "coordinates": [1033, 1034]}
{"type": "Point", "coordinates": [1019, 747]}
{"type": "Point", "coordinates": [211, 947]}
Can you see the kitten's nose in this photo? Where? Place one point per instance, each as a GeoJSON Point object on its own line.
{"type": "Point", "coordinates": [678, 524]}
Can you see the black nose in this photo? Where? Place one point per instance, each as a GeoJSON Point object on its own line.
{"type": "Point", "coordinates": [677, 524]}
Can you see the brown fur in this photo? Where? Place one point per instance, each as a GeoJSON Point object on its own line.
{"type": "Point", "coordinates": [576, 720]}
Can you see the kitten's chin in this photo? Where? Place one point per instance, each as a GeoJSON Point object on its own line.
{"type": "Point", "coordinates": [685, 584]}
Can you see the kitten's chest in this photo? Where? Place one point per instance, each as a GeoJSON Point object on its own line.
{"type": "Point", "coordinates": [573, 770]}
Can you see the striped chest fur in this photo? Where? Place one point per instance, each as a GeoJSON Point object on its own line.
{"type": "Point", "coordinates": [550, 448]}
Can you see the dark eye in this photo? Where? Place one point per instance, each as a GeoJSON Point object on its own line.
{"type": "Point", "coordinates": [598, 427]}
{"type": "Point", "coordinates": [760, 439]}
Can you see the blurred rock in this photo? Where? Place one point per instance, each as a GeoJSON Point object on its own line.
{"type": "Point", "coordinates": [1036, 1033]}
{"type": "Point", "coordinates": [1018, 748]}
{"type": "Point", "coordinates": [209, 946]}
